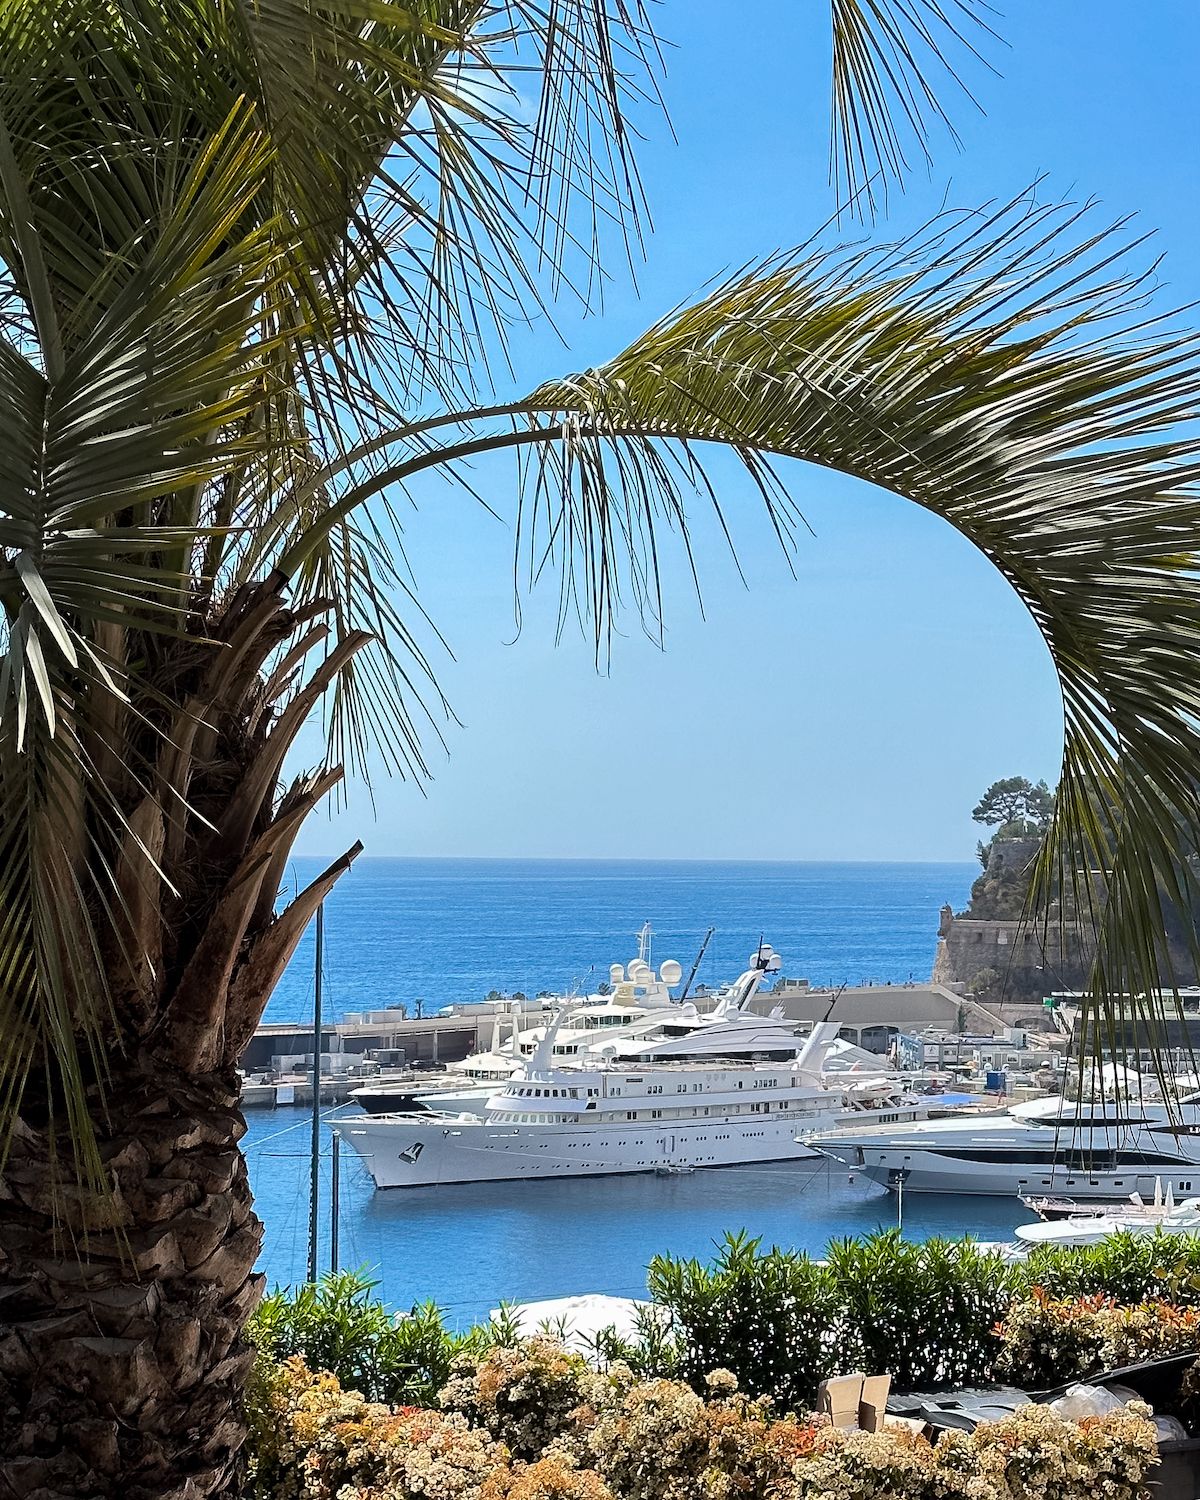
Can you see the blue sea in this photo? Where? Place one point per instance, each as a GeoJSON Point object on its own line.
{"type": "Point", "coordinates": [449, 930]}
{"type": "Point", "coordinates": [444, 931]}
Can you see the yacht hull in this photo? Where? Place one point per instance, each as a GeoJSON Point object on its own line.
{"type": "Point", "coordinates": [412, 1152]}
{"type": "Point", "coordinates": [930, 1171]}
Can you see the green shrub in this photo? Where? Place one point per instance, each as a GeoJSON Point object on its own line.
{"type": "Point", "coordinates": [652, 1349]}
{"type": "Point", "coordinates": [769, 1318]}
{"type": "Point", "coordinates": [782, 1322]}
{"type": "Point", "coordinates": [337, 1326]}
{"type": "Point", "coordinates": [924, 1312]}
{"type": "Point", "coordinates": [1127, 1267]}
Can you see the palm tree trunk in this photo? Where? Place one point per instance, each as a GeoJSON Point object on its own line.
{"type": "Point", "coordinates": [123, 1293]}
{"type": "Point", "coordinates": [122, 1358]}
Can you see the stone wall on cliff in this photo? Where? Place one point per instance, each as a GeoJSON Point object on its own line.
{"type": "Point", "coordinates": [987, 947]}
{"type": "Point", "coordinates": [1029, 961]}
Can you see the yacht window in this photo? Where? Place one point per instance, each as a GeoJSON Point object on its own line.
{"type": "Point", "coordinates": [656, 1114]}
{"type": "Point", "coordinates": [631, 1114]}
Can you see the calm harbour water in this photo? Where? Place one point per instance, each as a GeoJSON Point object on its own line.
{"type": "Point", "coordinates": [450, 930]}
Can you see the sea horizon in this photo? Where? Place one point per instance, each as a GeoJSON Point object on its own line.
{"type": "Point", "coordinates": [442, 930]}
{"type": "Point", "coordinates": [640, 859]}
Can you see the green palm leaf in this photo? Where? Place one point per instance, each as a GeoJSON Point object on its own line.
{"type": "Point", "coordinates": [997, 369]}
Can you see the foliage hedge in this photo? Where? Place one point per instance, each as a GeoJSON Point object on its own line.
{"type": "Point", "coordinates": [932, 1314]}
{"type": "Point", "coordinates": [337, 1325]}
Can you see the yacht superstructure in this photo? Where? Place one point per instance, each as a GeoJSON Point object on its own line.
{"type": "Point", "coordinates": [637, 1020]}
{"type": "Point", "coordinates": [688, 1091]}
{"type": "Point", "coordinates": [632, 999]}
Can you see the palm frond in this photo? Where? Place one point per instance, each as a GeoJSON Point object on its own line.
{"type": "Point", "coordinates": [892, 60]}
{"type": "Point", "coordinates": [1000, 369]}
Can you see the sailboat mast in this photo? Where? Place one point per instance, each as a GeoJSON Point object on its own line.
{"type": "Point", "coordinates": [314, 1184]}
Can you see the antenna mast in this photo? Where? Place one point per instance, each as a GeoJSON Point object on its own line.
{"type": "Point", "coordinates": [703, 947]}
{"type": "Point", "coordinates": [314, 1182]}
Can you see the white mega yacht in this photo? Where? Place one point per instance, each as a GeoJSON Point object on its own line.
{"type": "Point", "coordinates": [688, 1091]}
{"type": "Point", "coordinates": [1089, 1148]}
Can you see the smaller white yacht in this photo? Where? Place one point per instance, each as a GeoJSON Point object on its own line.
{"type": "Point", "coordinates": [1136, 1218]}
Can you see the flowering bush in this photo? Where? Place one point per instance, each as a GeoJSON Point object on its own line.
{"type": "Point", "coordinates": [1047, 1340]}
{"type": "Point", "coordinates": [311, 1440]}
{"type": "Point", "coordinates": [1037, 1455]}
{"type": "Point", "coordinates": [662, 1441]}
{"type": "Point", "coordinates": [610, 1437]}
{"type": "Point", "coordinates": [865, 1465]}
{"type": "Point", "coordinates": [526, 1396]}
{"type": "Point", "coordinates": [553, 1478]}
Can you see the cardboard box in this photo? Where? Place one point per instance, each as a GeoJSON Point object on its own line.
{"type": "Point", "coordinates": [872, 1403]}
{"type": "Point", "coordinates": [840, 1399]}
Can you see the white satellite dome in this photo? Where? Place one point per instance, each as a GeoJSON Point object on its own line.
{"type": "Point", "coordinates": [639, 971]}
{"type": "Point", "coordinates": [671, 972]}
{"type": "Point", "coordinates": [616, 973]}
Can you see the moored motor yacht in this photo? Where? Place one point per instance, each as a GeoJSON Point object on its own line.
{"type": "Point", "coordinates": [636, 1021]}
{"type": "Point", "coordinates": [1139, 1218]}
{"type": "Point", "coordinates": [632, 999]}
{"type": "Point", "coordinates": [1087, 1148]}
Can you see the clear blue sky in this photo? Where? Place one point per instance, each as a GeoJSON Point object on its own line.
{"type": "Point", "coordinates": [858, 710]}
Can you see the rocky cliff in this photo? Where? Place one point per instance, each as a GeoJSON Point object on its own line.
{"type": "Point", "coordinates": [986, 951]}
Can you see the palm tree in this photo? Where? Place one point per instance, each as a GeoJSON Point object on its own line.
{"type": "Point", "coordinates": [250, 252]}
